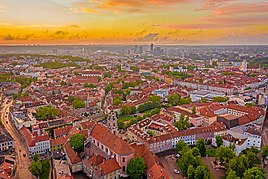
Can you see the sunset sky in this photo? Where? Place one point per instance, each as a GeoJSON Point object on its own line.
{"type": "Point", "coordinates": [133, 21]}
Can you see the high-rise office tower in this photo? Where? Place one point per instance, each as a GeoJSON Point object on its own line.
{"type": "Point", "coordinates": [152, 48]}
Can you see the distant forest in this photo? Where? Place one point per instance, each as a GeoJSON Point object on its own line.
{"type": "Point", "coordinates": [259, 61]}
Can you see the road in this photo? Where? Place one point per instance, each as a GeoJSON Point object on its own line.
{"type": "Point", "coordinates": [170, 164]}
{"type": "Point", "coordinates": [22, 162]}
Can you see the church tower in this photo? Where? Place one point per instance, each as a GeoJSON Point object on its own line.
{"type": "Point", "coordinates": [112, 123]}
{"type": "Point", "coordinates": [244, 66]}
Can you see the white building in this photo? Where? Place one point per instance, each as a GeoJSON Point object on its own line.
{"type": "Point", "coordinates": [178, 69]}
{"type": "Point", "coordinates": [37, 144]}
{"type": "Point", "coordinates": [6, 141]}
{"type": "Point", "coordinates": [242, 140]}
{"type": "Point", "coordinates": [162, 93]}
{"type": "Point", "coordinates": [206, 94]}
{"type": "Point", "coordinates": [21, 119]}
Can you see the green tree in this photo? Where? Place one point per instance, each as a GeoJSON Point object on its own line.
{"type": "Point", "coordinates": [220, 99]}
{"type": "Point", "coordinates": [107, 75]}
{"type": "Point", "coordinates": [117, 101]}
{"type": "Point", "coordinates": [203, 100]}
{"type": "Point", "coordinates": [185, 101]}
{"type": "Point", "coordinates": [133, 110]}
{"type": "Point", "coordinates": [264, 152]}
{"type": "Point", "coordinates": [254, 173]}
{"type": "Point", "coordinates": [174, 99]}
{"type": "Point", "coordinates": [149, 132]}
{"type": "Point", "coordinates": [125, 110]}
{"type": "Point", "coordinates": [239, 164]}
{"type": "Point", "coordinates": [219, 141]}
{"type": "Point", "coordinates": [194, 110]}
{"type": "Point", "coordinates": [71, 99]}
{"type": "Point", "coordinates": [77, 142]}
{"type": "Point", "coordinates": [121, 124]}
{"type": "Point", "coordinates": [224, 154]}
{"type": "Point", "coordinates": [181, 146]}
{"type": "Point", "coordinates": [196, 152]}
{"type": "Point", "coordinates": [136, 168]}
{"type": "Point", "coordinates": [249, 105]}
{"type": "Point", "coordinates": [231, 175]}
{"type": "Point", "coordinates": [183, 123]}
{"type": "Point", "coordinates": [36, 157]}
{"type": "Point", "coordinates": [36, 168]}
{"type": "Point", "coordinates": [201, 172]}
{"type": "Point", "coordinates": [47, 112]}
{"type": "Point", "coordinates": [187, 159]}
{"type": "Point", "coordinates": [154, 99]}
{"type": "Point", "coordinates": [78, 103]}
{"type": "Point", "coordinates": [190, 172]}
{"type": "Point", "coordinates": [108, 87]}
{"type": "Point", "coordinates": [201, 145]}
{"type": "Point", "coordinates": [63, 83]}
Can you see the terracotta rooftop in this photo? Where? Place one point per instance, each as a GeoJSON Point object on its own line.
{"type": "Point", "coordinates": [109, 166]}
{"type": "Point", "coordinates": [72, 155]}
{"type": "Point", "coordinates": [110, 140]}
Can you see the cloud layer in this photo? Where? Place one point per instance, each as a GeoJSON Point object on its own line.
{"type": "Point", "coordinates": [134, 21]}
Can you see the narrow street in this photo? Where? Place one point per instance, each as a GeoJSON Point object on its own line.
{"type": "Point", "coordinates": [22, 162]}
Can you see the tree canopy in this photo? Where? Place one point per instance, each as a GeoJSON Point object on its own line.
{"type": "Point", "coordinates": [201, 145]}
{"type": "Point", "coordinates": [47, 112]}
{"type": "Point", "coordinates": [254, 173]}
{"type": "Point", "coordinates": [39, 168]}
{"type": "Point", "coordinates": [220, 99]}
{"type": "Point", "coordinates": [136, 168]}
{"type": "Point", "coordinates": [264, 151]}
{"type": "Point", "coordinates": [77, 142]}
{"type": "Point", "coordinates": [174, 99]}
{"type": "Point", "coordinates": [78, 103]}
{"type": "Point", "coordinates": [180, 146]}
{"type": "Point", "coordinates": [219, 141]}
{"type": "Point", "coordinates": [183, 123]}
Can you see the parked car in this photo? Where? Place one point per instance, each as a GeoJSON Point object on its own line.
{"type": "Point", "coordinates": [176, 171]}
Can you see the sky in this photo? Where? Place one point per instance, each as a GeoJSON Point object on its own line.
{"type": "Point", "coordinates": [134, 22]}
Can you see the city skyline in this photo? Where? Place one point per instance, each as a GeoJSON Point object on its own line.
{"type": "Point", "coordinates": [184, 22]}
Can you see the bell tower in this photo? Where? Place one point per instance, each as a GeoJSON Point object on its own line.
{"type": "Point", "coordinates": [112, 123]}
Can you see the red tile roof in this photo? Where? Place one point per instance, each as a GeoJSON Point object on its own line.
{"type": "Point", "coordinates": [110, 140]}
{"type": "Point", "coordinates": [109, 166]}
{"type": "Point", "coordinates": [62, 131]}
{"type": "Point", "coordinates": [72, 155]}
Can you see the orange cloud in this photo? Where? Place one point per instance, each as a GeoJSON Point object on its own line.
{"type": "Point", "coordinates": [129, 6]}
{"type": "Point", "coordinates": [240, 8]}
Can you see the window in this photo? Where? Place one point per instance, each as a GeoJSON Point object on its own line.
{"type": "Point", "coordinates": [124, 168]}
{"type": "Point", "coordinates": [123, 159]}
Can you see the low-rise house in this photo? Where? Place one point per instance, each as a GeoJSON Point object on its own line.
{"type": "Point", "coordinates": [57, 143]}
{"type": "Point", "coordinates": [36, 143]}
{"type": "Point", "coordinates": [73, 158]}
{"type": "Point", "coordinates": [22, 118]}
{"type": "Point", "coordinates": [61, 169]}
{"type": "Point", "coordinates": [6, 141]}
{"type": "Point", "coordinates": [108, 169]}
{"type": "Point", "coordinates": [251, 137]}
{"type": "Point", "coordinates": [6, 170]}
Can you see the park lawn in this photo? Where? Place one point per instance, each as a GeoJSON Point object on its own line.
{"type": "Point", "coordinates": [125, 118]}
